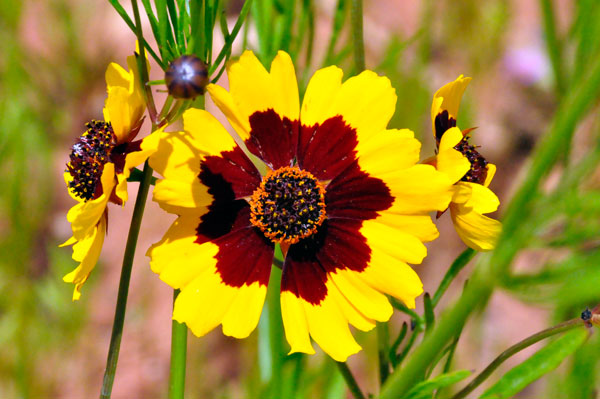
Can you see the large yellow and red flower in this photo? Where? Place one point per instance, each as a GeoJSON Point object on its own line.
{"type": "Point", "coordinates": [100, 164]}
{"type": "Point", "coordinates": [340, 193]}
{"type": "Point", "coordinates": [462, 163]}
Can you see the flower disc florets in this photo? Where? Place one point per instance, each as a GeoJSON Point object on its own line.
{"type": "Point", "coordinates": [88, 156]}
{"type": "Point", "coordinates": [478, 171]}
{"type": "Point", "coordinates": [289, 205]}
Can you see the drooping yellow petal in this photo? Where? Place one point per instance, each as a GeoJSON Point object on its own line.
{"type": "Point", "coordinates": [388, 151]}
{"type": "Point", "coordinates": [451, 95]}
{"type": "Point", "coordinates": [207, 302]}
{"type": "Point", "coordinates": [326, 324]}
{"type": "Point", "coordinates": [475, 230]}
{"type": "Point", "coordinates": [295, 323]}
{"type": "Point", "coordinates": [86, 251]}
{"type": "Point", "coordinates": [84, 216]}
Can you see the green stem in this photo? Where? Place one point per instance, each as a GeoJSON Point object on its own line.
{"type": "Point", "coordinates": [553, 45]}
{"type": "Point", "coordinates": [461, 261]}
{"type": "Point", "coordinates": [142, 64]}
{"type": "Point", "coordinates": [516, 348]}
{"type": "Point", "coordinates": [356, 17]}
{"type": "Point", "coordinates": [178, 357]}
{"type": "Point", "coordinates": [117, 330]}
{"type": "Point", "coordinates": [276, 348]}
{"type": "Point", "coordinates": [383, 337]}
{"type": "Point", "coordinates": [350, 381]}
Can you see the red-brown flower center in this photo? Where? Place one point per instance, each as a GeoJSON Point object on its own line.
{"type": "Point", "coordinates": [289, 205]}
{"type": "Point", "coordinates": [88, 156]}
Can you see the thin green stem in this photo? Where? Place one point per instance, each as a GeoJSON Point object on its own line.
{"type": "Point", "coordinates": [276, 349]}
{"type": "Point", "coordinates": [178, 357]}
{"type": "Point", "coordinates": [553, 45]}
{"type": "Point", "coordinates": [461, 261]}
{"type": "Point", "coordinates": [229, 40]}
{"type": "Point", "coordinates": [143, 65]}
{"type": "Point", "coordinates": [516, 348]}
{"type": "Point", "coordinates": [117, 330]}
{"type": "Point", "coordinates": [356, 17]}
{"type": "Point", "coordinates": [383, 339]}
{"type": "Point", "coordinates": [350, 381]}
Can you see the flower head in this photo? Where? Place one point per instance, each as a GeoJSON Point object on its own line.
{"type": "Point", "coordinates": [100, 163]}
{"type": "Point", "coordinates": [463, 164]}
{"type": "Point", "coordinates": [342, 195]}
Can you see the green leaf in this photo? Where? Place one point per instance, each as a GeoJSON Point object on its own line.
{"type": "Point", "coordinates": [425, 389]}
{"type": "Point", "coordinates": [459, 263]}
{"type": "Point", "coordinates": [542, 362]}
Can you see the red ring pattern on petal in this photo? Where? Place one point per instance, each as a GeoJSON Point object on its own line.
{"type": "Point", "coordinates": [327, 149]}
{"type": "Point", "coordinates": [356, 195]}
{"type": "Point", "coordinates": [273, 139]}
{"type": "Point", "coordinates": [338, 245]}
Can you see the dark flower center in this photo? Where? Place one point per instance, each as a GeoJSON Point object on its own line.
{"type": "Point", "coordinates": [443, 121]}
{"type": "Point", "coordinates": [289, 205]}
{"type": "Point", "coordinates": [478, 171]}
{"type": "Point", "coordinates": [88, 156]}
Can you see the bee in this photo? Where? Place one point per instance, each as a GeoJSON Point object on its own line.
{"type": "Point", "coordinates": [186, 77]}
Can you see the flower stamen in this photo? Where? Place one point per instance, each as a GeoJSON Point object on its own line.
{"type": "Point", "coordinates": [289, 205]}
{"type": "Point", "coordinates": [478, 171]}
{"type": "Point", "coordinates": [88, 156]}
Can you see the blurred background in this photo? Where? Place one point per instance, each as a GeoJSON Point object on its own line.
{"type": "Point", "coordinates": [54, 54]}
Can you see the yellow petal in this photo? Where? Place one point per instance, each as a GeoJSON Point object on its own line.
{"type": "Point", "coordinates": [418, 189]}
{"type": "Point", "coordinates": [295, 323]}
{"type": "Point", "coordinates": [387, 274]}
{"type": "Point", "coordinates": [86, 251]}
{"type": "Point", "coordinates": [148, 147]}
{"type": "Point", "coordinates": [84, 216]}
{"type": "Point", "coordinates": [482, 199]}
{"type": "Point", "coordinates": [366, 102]}
{"type": "Point", "coordinates": [243, 315]}
{"type": "Point", "coordinates": [491, 171]}
{"type": "Point", "coordinates": [388, 151]}
{"type": "Point", "coordinates": [397, 243]}
{"type": "Point", "coordinates": [372, 304]}
{"type": "Point", "coordinates": [475, 230]}
{"type": "Point", "coordinates": [450, 161]}
{"type": "Point", "coordinates": [179, 153]}
{"type": "Point", "coordinates": [182, 198]}
{"type": "Point", "coordinates": [326, 324]}
{"type": "Point", "coordinates": [322, 88]}
{"type": "Point", "coordinates": [420, 226]}
{"type": "Point", "coordinates": [451, 95]}
{"type": "Point", "coordinates": [253, 89]}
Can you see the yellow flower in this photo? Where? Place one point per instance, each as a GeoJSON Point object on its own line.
{"type": "Point", "coordinates": [100, 163]}
{"type": "Point", "coordinates": [463, 164]}
{"type": "Point", "coordinates": [342, 195]}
